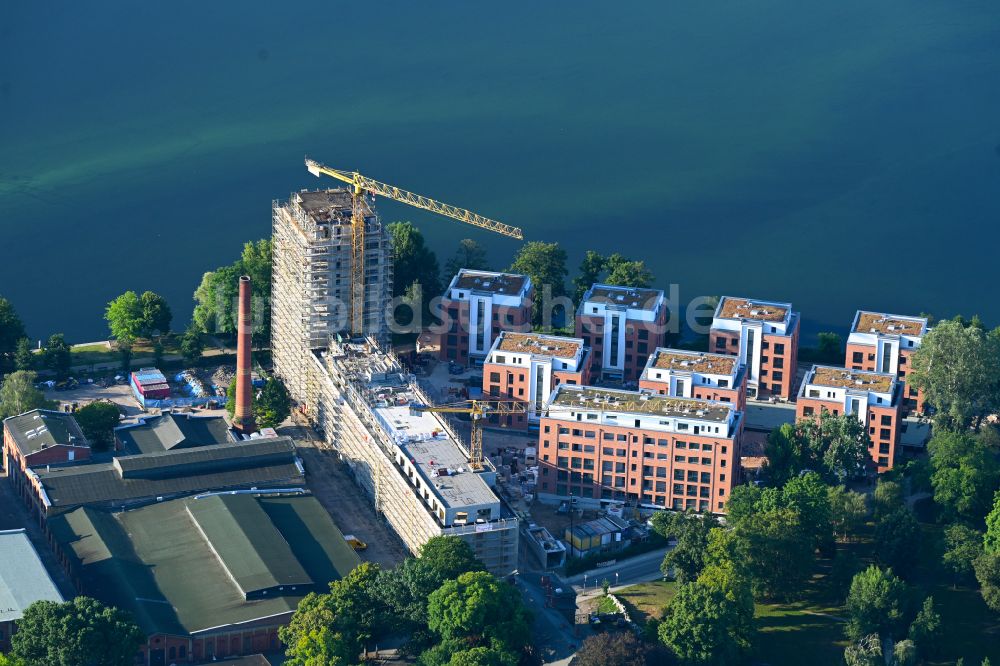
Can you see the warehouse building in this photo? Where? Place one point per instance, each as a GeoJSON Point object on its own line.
{"type": "Point", "coordinates": [23, 581]}
{"type": "Point", "coordinates": [205, 577]}
{"type": "Point", "coordinates": [40, 437]}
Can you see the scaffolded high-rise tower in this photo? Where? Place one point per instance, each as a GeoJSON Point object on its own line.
{"type": "Point", "coordinates": [311, 279]}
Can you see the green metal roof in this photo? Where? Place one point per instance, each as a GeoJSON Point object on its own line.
{"type": "Point", "coordinates": [157, 563]}
{"type": "Point", "coordinates": [171, 431]}
{"type": "Point", "coordinates": [42, 428]}
{"type": "Point", "coordinates": [253, 463]}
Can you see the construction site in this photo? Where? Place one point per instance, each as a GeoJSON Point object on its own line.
{"type": "Point", "coordinates": [331, 286]}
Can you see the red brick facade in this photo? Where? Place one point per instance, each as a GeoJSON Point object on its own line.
{"type": "Point", "coordinates": [862, 357]}
{"type": "Point", "coordinates": [641, 338]}
{"type": "Point", "coordinates": [454, 340]}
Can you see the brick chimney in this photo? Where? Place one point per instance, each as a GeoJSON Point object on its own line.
{"type": "Point", "coordinates": [243, 415]}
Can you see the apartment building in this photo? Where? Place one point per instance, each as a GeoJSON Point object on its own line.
{"type": "Point", "coordinates": [622, 326]}
{"type": "Point", "coordinates": [602, 445]}
{"type": "Point", "coordinates": [526, 367]}
{"type": "Point", "coordinates": [479, 305]}
{"type": "Point", "coordinates": [311, 284]}
{"type": "Point", "coordinates": [874, 397]}
{"type": "Point", "coordinates": [680, 373]}
{"type": "Point", "coordinates": [409, 462]}
{"type": "Point", "coordinates": [765, 337]}
{"type": "Point", "coordinates": [881, 342]}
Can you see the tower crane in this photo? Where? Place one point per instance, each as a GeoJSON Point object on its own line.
{"type": "Point", "coordinates": [477, 411]}
{"type": "Point", "coordinates": [360, 186]}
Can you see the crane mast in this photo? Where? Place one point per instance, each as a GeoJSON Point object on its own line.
{"type": "Point", "coordinates": [360, 185]}
{"type": "Point", "coordinates": [477, 411]}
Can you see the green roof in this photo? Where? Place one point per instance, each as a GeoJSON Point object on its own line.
{"type": "Point", "coordinates": [171, 431]}
{"type": "Point", "coordinates": [173, 564]}
{"type": "Point", "coordinates": [42, 428]}
{"type": "Point", "coordinates": [254, 463]}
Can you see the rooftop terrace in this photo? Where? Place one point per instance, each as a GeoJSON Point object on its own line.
{"type": "Point", "coordinates": [888, 324]}
{"type": "Point", "coordinates": [503, 284]}
{"type": "Point", "coordinates": [539, 344]}
{"type": "Point", "coordinates": [592, 398]}
{"type": "Point", "coordinates": [692, 361]}
{"type": "Point", "coordinates": [627, 297]}
{"type": "Point", "coordinates": [824, 375]}
{"type": "Point", "coordinates": [747, 309]}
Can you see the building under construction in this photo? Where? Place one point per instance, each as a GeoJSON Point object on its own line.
{"type": "Point", "coordinates": [410, 462]}
{"type": "Point", "coordinates": [311, 278]}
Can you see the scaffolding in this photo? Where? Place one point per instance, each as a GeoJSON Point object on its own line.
{"type": "Point", "coordinates": [312, 288]}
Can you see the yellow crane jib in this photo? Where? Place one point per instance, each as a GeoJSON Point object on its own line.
{"type": "Point", "coordinates": [476, 409]}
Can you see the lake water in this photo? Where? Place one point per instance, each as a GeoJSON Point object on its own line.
{"type": "Point", "coordinates": [837, 155]}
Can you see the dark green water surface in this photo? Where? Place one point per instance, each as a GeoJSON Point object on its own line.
{"type": "Point", "coordinates": [834, 154]}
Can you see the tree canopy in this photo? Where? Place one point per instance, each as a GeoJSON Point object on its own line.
{"type": "Point", "coordinates": [216, 298]}
{"type": "Point", "coordinates": [897, 540]}
{"type": "Point", "coordinates": [156, 314]}
{"type": "Point", "coordinates": [413, 261]}
{"type": "Point", "coordinates": [835, 445]}
{"type": "Point", "coordinates": [19, 395]}
{"type": "Point", "coordinates": [956, 366]}
{"type": "Point", "coordinates": [81, 632]}
{"type": "Point", "coordinates": [11, 331]}
{"type": "Point", "coordinates": [24, 357]}
{"type": "Point", "coordinates": [545, 264]}
{"type": "Point", "coordinates": [612, 649]}
{"type": "Point", "coordinates": [273, 404]}
{"type": "Point", "coordinates": [57, 356]}
{"type": "Point", "coordinates": [703, 626]}
{"type": "Point", "coordinates": [965, 473]}
{"type": "Point", "coordinates": [876, 604]}
{"type": "Point", "coordinates": [98, 421]}
{"type": "Point", "coordinates": [963, 546]}
{"type": "Point", "coordinates": [613, 269]}
{"type": "Point", "coordinates": [125, 318]}
{"type": "Point", "coordinates": [469, 254]}
{"type": "Point", "coordinates": [691, 530]}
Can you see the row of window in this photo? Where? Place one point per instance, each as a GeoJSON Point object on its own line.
{"type": "Point", "coordinates": [677, 503]}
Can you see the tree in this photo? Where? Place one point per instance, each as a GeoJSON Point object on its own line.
{"type": "Point", "coordinates": [441, 558]}
{"type": "Point", "coordinates": [125, 318]}
{"type": "Point", "coordinates": [691, 531]}
{"type": "Point", "coordinates": [830, 348]}
{"type": "Point", "coordinates": [98, 421]}
{"type": "Point", "coordinates": [991, 540]}
{"type": "Point", "coordinates": [627, 273]}
{"type": "Point", "coordinates": [333, 628]}
{"type": "Point", "coordinates": [987, 568]}
{"type": "Point", "coordinates": [701, 626]}
{"type": "Point", "coordinates": [156, 314]}
{"type": "Point", "coordinates": [191, 345]}
{"type": "Point", "coordinates": [545, 264]}
{"type": "Point", "coordinates": [57, 356]}
{"type": "Point", "coordinates": [479, 610]}
{"type": "Point", "coordinates": [965, 474]}
{"type": "Point", "coordinates": [216, 296]}
{"type": "Point", "coordinates": [776, 550]}
{"type": "Point", "coordinates": [888, 497]}
{"type": "Point", "coordinates": [836, 444]}
{"type": "Point", "coordinates": [783, 452]}
{"type": "Point", "coordinates": [905, 653]}
{"type": "Point", "coordinates": [926, 631]}
{"type": "Point", "coordinates": [897, 541]}
{"type": "Point", "coordinates": [591, 270]}
{"type": "Point", "coordinates": [273, 404]}
{"type": "Point", "coordinates": [469, 254]}
{"type": "Point", "coordinates": [875, 604]}
{"type": "Point", "coordinates": [963, 545]}
{"type": "Point", "coordinates": [845, 567]}
{"type": "Point", "coordinates": [24, 358]}
{"type": "Point", "coordinates": [810, 497]}
{"type": "Point", "coordinates": [11, 330]}
{"type": "Point", "coordinates": [413, 261]}
{"type": "Point", "coordinates": [956, 366]}
{"type": "Point", "coordinates": [612, 649]}
{"type": "Point", "coordinates": [81, 632]}
{"type": "Point", "coordinates": [19, 395]}
{"type": "Point", "coordinates": [847, 510]}
{"type": "Point", "coordinates": [866, 652]}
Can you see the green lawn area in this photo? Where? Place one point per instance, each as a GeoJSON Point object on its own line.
{"type": "Point", "coordinates": [647, 600]}
{"type": "Point", "coordinates": [606, 605]}
{"type": "Point", "coordinates": [99, 354]}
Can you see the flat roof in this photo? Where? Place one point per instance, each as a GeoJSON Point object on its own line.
{"type": "Point", "coordinates": [260, 462]}
{"type": "Point", "coordinates": [539, 344]}
{"type": "Point", "coordinates": [41, 428]}
{"type": "Point", "coordinates": [694, 361]}
{"type": "Point", "coordinates": [752, 310]}
{"type": "Point", "coordinates": [594, 398]}
{"type": "Point", "coordinates": [427, 444]}
{"type": "Point", "coordinates": [504, 284]}
{"type": "Point", "coordinates": [170, 431]}
{"type": "Point", "coordinates": [169, 570]}
{"type": "Point", "coordinates": [23, 578]}
{"type": "Point", "coordinates": [888, 324]}
{"type": "Point", "coordinates": [331, 205]}
{"type": "Point", "coordinates": [629, 297]}
{"type": "Point", "coordinates": [825, 375]}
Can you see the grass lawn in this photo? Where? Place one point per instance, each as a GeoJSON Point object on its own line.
{"type": "Point", "coordinates": [100, 354]}
{"type": "Point", "coordinates": [605, 605]}
{"type": "Point", "coordinates": [647, 600]}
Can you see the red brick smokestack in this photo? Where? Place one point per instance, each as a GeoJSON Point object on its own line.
{"type": "Point", "coordinates": [243, 415]}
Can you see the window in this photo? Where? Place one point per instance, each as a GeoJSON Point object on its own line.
{"type": "Point", "coordinates": [885, 433]}
{"type": "Point", "coordinates": [494, 376]}
{"type": "Point", "coordinates": [779, 348]}
{"type": "Point", "coordinates": [883, 461]}
{"type": "Point", "coordinates": [777, 375]}
{"type": "Point", "coordinates": [886, 420]}
{"type": "Point", "coordinates": [857, 357]}
{"type": "Point", "coordinates": [720, 343]}
{"type": "Point", "coordinates": [808, 411]}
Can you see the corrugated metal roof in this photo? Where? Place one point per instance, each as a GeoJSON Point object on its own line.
{"type": "Point", "coordinates": [23, 578]}
{"type": "Point", "coordinates": [173, 431]}
{"type": "Point", "coordinates": [42, 428]}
